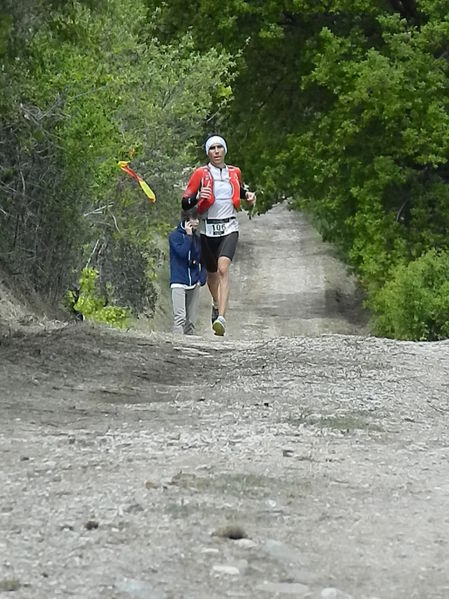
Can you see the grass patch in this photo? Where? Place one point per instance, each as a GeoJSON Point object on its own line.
{"type": "Point", "coordinates": [344, 423]}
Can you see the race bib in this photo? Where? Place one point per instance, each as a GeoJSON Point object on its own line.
{"type": "Point", "coordinates": [215, 229]}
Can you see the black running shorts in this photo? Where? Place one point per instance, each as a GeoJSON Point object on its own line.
{"type": "Point", "coordinates": [213, 248]}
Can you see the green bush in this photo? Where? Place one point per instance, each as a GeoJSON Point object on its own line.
{"type": "Point", "coordinates": [92, 305]}
{"type": "Point", "coordinates": [414, 303]}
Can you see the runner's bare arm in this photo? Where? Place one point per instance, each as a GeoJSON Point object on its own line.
{"type": "Point", "coordinates": [250, 197]}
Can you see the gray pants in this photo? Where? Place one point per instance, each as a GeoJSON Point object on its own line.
{"type": "Point", "coordinates": [185, 309]}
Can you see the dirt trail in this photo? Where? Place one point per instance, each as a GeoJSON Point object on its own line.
{"type": "Point", "coordinates": [128, 459]}
{"type": "Point", "coordinates": [286, 281]}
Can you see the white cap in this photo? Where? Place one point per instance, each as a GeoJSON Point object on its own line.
{"type": "Point", "coordinates": [216, 140]}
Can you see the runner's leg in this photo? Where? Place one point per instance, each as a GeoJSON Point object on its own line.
{"type": "Point", "coordinates": [212, 283]}
{"type": "Point", "coordinates": [209, 251]}
{"type": "Point", "coordinates": [223, 284]}
{"type": "Point", "coordinates": [227, 249]}
{"type": "Point", "coordinates": [217, 255]}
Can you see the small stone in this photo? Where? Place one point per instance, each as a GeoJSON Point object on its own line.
{"type": "Point", "coordinates": [91, 524]}
{"type": "Point", "coordinates": [333, 593]}
{"type": "Point", "coordinates": [283, 553]}
{"type": "Point", "coordinates": [137, 589]}
{"type": "Point", "coordinates": [134, 508]}
{"type": "Point", "coordinates": [245, 543]}
{"type": "Point", "coordinates": [231, 570]}
{"type": "Point", "coordinates": [9, 585]}
{"type": "Point", "coordinates": [149, 484]}
{"type": "Point", "coordinates": [285, 588]}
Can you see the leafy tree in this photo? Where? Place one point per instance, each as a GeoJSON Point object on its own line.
{"type": "Point", "coordinates": [89, 86]}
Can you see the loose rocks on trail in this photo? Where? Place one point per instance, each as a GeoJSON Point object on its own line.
{"type": "Point", "coordinates": [126, 456]}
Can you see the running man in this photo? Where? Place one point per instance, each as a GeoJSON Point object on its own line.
{"type": "Point", "coordinates": [217, 190]}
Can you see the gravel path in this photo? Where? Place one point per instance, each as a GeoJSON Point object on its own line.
{"type": "Point", "coordinates": [261, 465]}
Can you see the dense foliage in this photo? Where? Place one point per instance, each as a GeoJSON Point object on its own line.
{"type": "Point", "coordinates": [414, 304]}
{"type": "Point", "coordinates": [83, 86]}
{"type": "Point", "coordinates": [342, 108]}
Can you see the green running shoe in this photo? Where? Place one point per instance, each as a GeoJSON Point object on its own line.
{"type": "Point", "coordinates": [219, 326]}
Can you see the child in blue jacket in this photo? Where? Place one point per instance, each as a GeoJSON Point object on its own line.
{"type": "Point", "coordinates": [186, 272]}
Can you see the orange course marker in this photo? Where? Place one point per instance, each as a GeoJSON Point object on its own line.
{"type": "Point", "coordinates": [123, 164]}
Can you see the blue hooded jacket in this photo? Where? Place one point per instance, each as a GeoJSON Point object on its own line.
{"type": "Point", "coordinates": [185, 258]}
